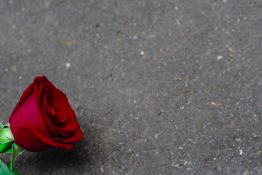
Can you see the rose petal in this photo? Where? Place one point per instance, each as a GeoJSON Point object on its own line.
{"type": "Point", "coordinates": [47, 140]}
{"type": "Point", "coordinates": [27, 116]}
{"type": "Point", "coordinates": [28, 141]}
{"type": "Point", "coordinates": [75, 138]}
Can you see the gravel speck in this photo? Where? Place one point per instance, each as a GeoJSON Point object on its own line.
{"type": "Point", "coordinates": [220, 57]}
{"type": "Point", "coordinates": [67, 64]}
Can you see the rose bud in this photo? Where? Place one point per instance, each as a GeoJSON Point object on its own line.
{"type": "Point", "coordinates": [43, 118]}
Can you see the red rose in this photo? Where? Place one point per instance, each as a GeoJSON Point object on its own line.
{"type": "Point", "coordinates": [43, 118]}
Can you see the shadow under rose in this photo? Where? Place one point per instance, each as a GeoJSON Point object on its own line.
{"type": "Point", "coordinates": [81, 159]}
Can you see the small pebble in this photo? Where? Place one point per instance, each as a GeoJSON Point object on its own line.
{"type": "Point", "coordinates": [237, 139]}
{"type": "Point", "coordinates": [102, 169]}
{"type": "Point", "coordinates": [67, 65]}
{"type": "Point", "coordinates": [181, 148]}
{"type": "Point", "coordinates": [182, 107]}
{"type": "Point", "coordinates": [14, 68]}
{"type": "Point", "coordinates": [156, 136]}
{"type": "Point", "coordinates": [220, 57]}
{"type": "Point", "coordinates": [142, 53]}
{"type": "Point", "coordinates": [254, 135]}
{"type": "Point", "coordinates": [241, 152]}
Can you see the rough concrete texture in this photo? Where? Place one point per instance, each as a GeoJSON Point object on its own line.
{"type": "Point", "coordinates": [159, 86]}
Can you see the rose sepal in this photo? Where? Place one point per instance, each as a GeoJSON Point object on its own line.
{"type": "Point", "coordinates": [16, 150]}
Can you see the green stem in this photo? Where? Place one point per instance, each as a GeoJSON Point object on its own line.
{"type": "Point", "coordinates": [16, 150]}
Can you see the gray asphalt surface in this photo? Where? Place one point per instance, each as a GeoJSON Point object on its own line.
{"type": "Point", "coordinates": [159, 86]}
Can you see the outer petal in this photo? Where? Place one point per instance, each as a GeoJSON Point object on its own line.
{"type": "Point", "coordinates": [47, 140]}
{"type": "Point", "coordinates": [27, 116]}
{"type": "Point", "coordinates": [27, 140]}
{"type": "Point", "coordinates": [74, 138]}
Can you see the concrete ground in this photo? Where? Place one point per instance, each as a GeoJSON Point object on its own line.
{"type": "Point", "coordinates": [159, 86]}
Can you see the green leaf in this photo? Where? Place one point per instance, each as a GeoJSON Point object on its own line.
{"type": "Point", "coordinates": [16, 150]}
{"type": "Point", "coordinates": [6, 147]}
{"type": "Point", "coordinates": [4, 169]}
{"type": "Point", "coordinates": [6, 135]}
{"type": "Point", "coordinates": [6, 140]}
